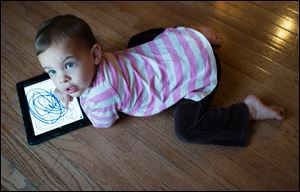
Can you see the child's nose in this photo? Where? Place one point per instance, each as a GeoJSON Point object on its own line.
{"type": "Point", "coordinates": [64, 79]}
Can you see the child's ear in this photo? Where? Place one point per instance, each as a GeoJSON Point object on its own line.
{"type": "Point", "coordinates": [96, 54]}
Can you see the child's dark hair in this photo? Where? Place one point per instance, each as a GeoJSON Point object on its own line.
{"type": "Point", "coordinates": [63, 27]}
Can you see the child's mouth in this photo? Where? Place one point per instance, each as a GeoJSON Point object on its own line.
{"type": "Point", "coordinates": [71, 90]}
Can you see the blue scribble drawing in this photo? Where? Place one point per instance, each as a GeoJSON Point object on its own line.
{"type": "Point", "coordinates": [45, 106]}
{"type": "Point", "coordinates": [46, 111]}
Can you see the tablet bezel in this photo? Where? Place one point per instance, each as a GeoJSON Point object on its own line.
{"type": "Point", "coordinates": [33, 139]}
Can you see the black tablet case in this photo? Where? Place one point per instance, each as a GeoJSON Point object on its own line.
{"type": "Point", "coordinates": [31, 138]}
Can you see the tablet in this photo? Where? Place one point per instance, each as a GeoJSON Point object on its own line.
{"type": "Point", "coordinates": [44, 115]}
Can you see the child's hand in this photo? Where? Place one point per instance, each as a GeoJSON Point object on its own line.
{"type": "Point", "coordinates": [63, 97]}
{"type": "Point", "coordinates": [212, 36]}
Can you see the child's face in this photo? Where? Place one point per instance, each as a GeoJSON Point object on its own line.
{"type": "Point", "coordinates": [71, 68]}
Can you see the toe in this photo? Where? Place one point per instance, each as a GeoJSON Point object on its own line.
{"type": "Point", "coordinates": [279, 112]}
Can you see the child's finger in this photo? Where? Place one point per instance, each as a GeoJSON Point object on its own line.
{"type": "Point", "coordinates": [218, 38]}
{"type": "Point", "coordinates": [70, 98]}
{"type": "Point", "coordinates": [66, 103]}
{"type": "Point", "coordinates": [67, 99]}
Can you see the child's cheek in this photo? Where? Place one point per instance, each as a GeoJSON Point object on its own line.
{"type": "Point", "coordinates": [57, 85]}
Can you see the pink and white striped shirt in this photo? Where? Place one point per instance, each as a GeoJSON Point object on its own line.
{"type": "Point", "coordinates": [146, 79]}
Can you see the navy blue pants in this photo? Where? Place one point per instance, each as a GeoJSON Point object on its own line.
{"type": "Point", "coordinates": [195, 122]}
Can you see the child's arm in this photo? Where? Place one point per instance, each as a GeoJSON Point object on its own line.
{"type": "Point", "coordinates": [63, 97]}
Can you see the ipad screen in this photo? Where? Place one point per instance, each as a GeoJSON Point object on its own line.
{"type": "Point", "coordinates": [46, 111]}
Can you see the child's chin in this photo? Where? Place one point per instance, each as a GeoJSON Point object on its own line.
{"type": "Point", "coordinates": [77, 94]}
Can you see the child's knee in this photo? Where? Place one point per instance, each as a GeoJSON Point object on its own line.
{"type": "Point", "coordinates": [184, 135]}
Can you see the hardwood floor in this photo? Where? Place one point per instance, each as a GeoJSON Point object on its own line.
{"type": "Point", "coordinates": [259, 55]}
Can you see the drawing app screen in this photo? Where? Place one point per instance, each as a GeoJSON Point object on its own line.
{"type": "Point", "coordinates": [46, 111]}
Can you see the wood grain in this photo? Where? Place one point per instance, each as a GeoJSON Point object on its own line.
{"type": "Point", "coordinates": [259, 55]}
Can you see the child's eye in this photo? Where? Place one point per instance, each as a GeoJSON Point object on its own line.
{"type": "Point", "coordinates": [51, 72]}
{"type": "Point", "coordinates": [69, 65]}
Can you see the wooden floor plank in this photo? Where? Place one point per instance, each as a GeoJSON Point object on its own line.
{"type": "Point", "coordinates": [12, 179]}
{"type": "Point", "coordinates": [247, 21]}
{"type": "Point", "coordinates": [288, 10]}
{"type": "Point", "coordinates": [265, 16]}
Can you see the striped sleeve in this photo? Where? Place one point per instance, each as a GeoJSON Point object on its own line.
{"type": "Point", "coordinates": [102, 107]}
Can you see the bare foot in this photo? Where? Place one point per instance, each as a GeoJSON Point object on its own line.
{"type": "Point", "coordinates": [212, 36]}
{"type": "Point", "coordinates": [260, 111]}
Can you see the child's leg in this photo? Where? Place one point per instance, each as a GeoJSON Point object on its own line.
{"type": "Point", "coordinates": [144, 37]}
{"type": "Point", "coordinates": [195, 123]}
